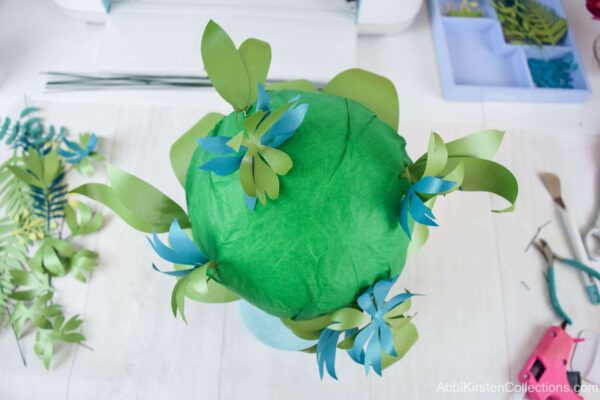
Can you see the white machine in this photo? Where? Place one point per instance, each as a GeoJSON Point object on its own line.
{"type": "Point", "coordinates": [312, 39]}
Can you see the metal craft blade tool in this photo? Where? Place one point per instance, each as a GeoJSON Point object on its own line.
{"type": "Point", "coordinates": [552, 184]}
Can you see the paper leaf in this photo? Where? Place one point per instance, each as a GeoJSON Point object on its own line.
{"type": "Point", "coordinates": [205, 290]}
{"type": "Point", "coordinates": [348, 318]}
{"type": "Point", "coordinates": [300, 84]}
{"type": "Point", "coordinates": [308, 329]}
{"type": "Point", "coordinates": [149, 203]}
{"type": "Point", "coordinates": [373, 91]}
{"type": "Point", "coordinates": [247, 176]}
{"type": "Point", "coordinates": [183, 149]}
{"type": "Point", "coordinates": [104, 194]}
{"type": "Point", "coordinates": [405, 336]}
{"type": "Point", "coordinates": [483, 144]}
{"type": "Point", "coordinates": [252, 121]}
{"type": "Point", "coordinates": [437, 155]}
{"type": "Point", "coordinates": [225, 66]}
{"type": "Point", "coordinates": [256, 56]}
{"type": "Point", "coordinates": [488, 176]}
{"type": "Point", "coordinates": [419, 236]}
{"type": "Point", "coordinates": [265, 179]}
{"type": "Point", "coordinates": [279, 161]}
{"type": "Point", "coordinates": [272, 118]}
{"type": "Point", "coordinates": [236, 142]}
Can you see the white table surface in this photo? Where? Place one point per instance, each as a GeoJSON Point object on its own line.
{"type": "Point", "coordinates": [477, 322]}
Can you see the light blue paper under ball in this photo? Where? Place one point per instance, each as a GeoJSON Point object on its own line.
{"type": "Point", "coordinates": [270, 330]}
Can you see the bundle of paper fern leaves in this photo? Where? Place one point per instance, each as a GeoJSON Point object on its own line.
{"type": "Point", "coordinates": [36, 215]}
{"type": "Point", "coordinates": [530, 22]}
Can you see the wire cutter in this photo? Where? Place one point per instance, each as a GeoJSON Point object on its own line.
{"type": "Point", "coordinates": [551, 258]}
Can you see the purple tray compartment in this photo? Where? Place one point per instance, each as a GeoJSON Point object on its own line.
{"type": "Point", "coordinates": [477, 64]}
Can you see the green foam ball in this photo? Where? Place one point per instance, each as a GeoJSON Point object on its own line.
{"type": "Point", "coordinates": [334, 229]}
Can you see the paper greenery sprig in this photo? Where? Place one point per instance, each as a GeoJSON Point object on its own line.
{"type": "Point", "coordinates": [529, 21]}
{"type": "Point", "coordinates": [37, 215]}
{"type": "Point", "coordinates": [254, 150]}
{"type": "Point", "coordinates": [467, 9]}
{"type": "Point", "coordinates": [377, 333]}
{"type": "Point", "coordinates": [463, 164]}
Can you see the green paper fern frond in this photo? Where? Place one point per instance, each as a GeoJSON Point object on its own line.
{"type": "Point", "coordinates": [29, 131]}
{"type": "Point", "coordinates": [543, 25]}
{"type": "Point", "coordinates": [529, 21]}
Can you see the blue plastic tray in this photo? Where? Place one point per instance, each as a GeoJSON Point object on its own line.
{"type": "Point", "coordinates": [476, 63]}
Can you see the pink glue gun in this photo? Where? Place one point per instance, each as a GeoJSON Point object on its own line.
{"type": "Point", "coordinates": [545, 372]}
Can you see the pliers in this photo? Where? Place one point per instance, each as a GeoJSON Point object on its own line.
{"type": "Point", "coordinates": [551, 258]}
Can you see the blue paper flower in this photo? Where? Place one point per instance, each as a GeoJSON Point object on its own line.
{"type": "Point", "coordinates": [230, 159]}
{"type": "Point", "coordinates": [75, 153]}
{"type": "Point", "coordinates": [183, 251]}
{"type": "Point", "coordinates": [372, 340]}
{"type": "Point", "coordinates": [376, 338]}
{"type": "Point", "coordinates": [413, 205]}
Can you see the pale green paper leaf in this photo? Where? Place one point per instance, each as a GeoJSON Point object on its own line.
{"type": "Point", "coordinates": [256, 56]}
{"type": "Point", "coordinates": [348, 318]}
{"type": "Point", "coordinates": [308, 329]}
{"type": "Point", "coordinates": [279, 161]}
{"type": "Point", "coordinates": [373, 91]}
{"type": "Point", "coordinates": [106, 195]}
{"type": "Point", "coordinates": [437, 156]}
{"type": "Point", "coordinates": [149, 203]}
{"type": "Point", "coordinates": [252, 121]}
{"type": "Point", "coordinates": [236, 142]}
{"type": "Point", "coordinates": [488, 176]}
{"type": "Point", "coordinates": [203, 289]}
{"type": "Point", "coordinates": [183, 149]}
{"type": "Point", "coordinates": [483, 144]}
{"type": "Point", "coordinates": [272, 118]}
{"type": "Point", "coordinates": [225, 66]}
{"type": "Point", "coordinates": [405, 336]}
{"type": "Point", "coordinates": [457, 175]}
{"type": "Point", "coordinates": [246, 176]}
{"type": "Point", "coordinates": [265, 179]}
{"type": "Point", "coordinates": [397, 311]}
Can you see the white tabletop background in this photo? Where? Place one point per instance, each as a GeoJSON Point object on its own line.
{"type": "Point", "coordinates": [477, 323]}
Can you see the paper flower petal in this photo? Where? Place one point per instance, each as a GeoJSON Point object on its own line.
{"type": "Point", "coordinates": [183, 251]}
{"type": "Point", "coordinates": [250, 201]}
{"type": "Point", "coordinates": [216, 145]}
{"type": "Point", "coordinates": [223, 166]}
{"type": "Point", "coordinates": [285, 126]}
{"type": "Point", "coordinates": [263, 100]}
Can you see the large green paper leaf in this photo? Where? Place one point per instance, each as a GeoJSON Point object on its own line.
{"type": "Point", "coordinates": [256, 56]}
{"type": "Point", "coordinates": [482, 144]}
{"type": "Point", "coordinates": [374, 91]}
{"type": "Point", "coordinates": [183, 149]}
{"type": "Point", "coordinates": [106, 195]}
{"type": "Point", "coordinates": [225, 66]}
{"type": "Point", "coordinates": [149, 203]}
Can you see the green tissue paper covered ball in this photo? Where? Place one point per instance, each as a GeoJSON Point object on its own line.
{"type": "Point", "coordinates": [334, 229]}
